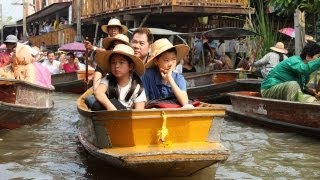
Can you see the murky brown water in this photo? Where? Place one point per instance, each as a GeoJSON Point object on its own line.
{"type": "Point", "coordinates": [50, 150]}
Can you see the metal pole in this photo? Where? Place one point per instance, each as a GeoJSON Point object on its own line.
{"type": "Point", "coordinates": [24, 21]}
{"type": "Point", "coordinates": [78, 37]}
{"type": "Point", "coordinates": [1, 23]}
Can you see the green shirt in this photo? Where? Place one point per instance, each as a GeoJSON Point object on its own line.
{"type": "Point", "coordinates": [291, 69]}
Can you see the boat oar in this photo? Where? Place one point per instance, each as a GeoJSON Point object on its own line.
{"type": "Point", "coordinates": [87, 61]}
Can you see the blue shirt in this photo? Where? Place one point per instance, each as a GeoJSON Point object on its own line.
{"type": "Point", "coordinates": [154, 87]}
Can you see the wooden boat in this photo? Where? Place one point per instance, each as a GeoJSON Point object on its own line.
{"type": "Point", "coordinates": [295, 116]}
{"type": "Point", "coordinates": [132, 139]}
{"type": "Point", "coordinates": [212, 87]}
{"type": "Point", "coordinates": [72, 82]}
{"type": "Point", "coordinates": [22, 103]}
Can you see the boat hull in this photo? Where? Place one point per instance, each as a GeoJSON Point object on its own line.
{"type": "Point", "coordinates": [130, 139]}
{"type": "Point", "coordinates": [294, 116]}
{"type": "Point", "coordinates": [213, 87]}
{"type": "Point", "coordinates": [72, 82]}
{"type": "Point", "coordinates": [22, 103]}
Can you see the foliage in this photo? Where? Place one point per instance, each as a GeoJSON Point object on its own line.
{"type": "Point", "coordinates": [263, 26]}
{"type": "Point", "coordinates": [289, 6]}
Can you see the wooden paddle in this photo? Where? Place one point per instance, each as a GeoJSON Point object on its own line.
{"type": "Point", "coordinates": [87, 61]}
{"type": "Point", "coordinates": [318, 86]}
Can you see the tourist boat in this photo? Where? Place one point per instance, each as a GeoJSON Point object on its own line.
{"type": "Point", "coordinates": [288, 115]}
{"type": "Point", "coordinates": [22, 103]}
{"type": "Point", "coordinates": [137, 140]}
{"type": "Point", "coordinates": [212, 87]}
{"type": "Point", "coordinates": [74, 82]}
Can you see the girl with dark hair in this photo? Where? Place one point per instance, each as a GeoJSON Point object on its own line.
{"type": "Point", "coordinates": [288, 80]}
{"type": "Point", "coordinates": [122, 87]}
{"type": "Point", "coordinates": [271, 59]}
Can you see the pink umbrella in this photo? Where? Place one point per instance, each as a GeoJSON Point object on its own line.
{"type": "Point", "coordinates": [73, 47]}
{"type": "Point", "coordinates": [291, 33]}
{"type": "Point", "coordinates": [288, 31]}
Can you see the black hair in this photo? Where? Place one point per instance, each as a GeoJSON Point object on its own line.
{"type": "Point", "coordinates": [71, 55]}
{"type": "Point", "coordinates": [145, 31]}
{"type": "Point", "coordinates": [281, 56]}
{"type": "Point", "coordinates": [50, 52]}
{"type": "Point", "coordinates": [310, 49]}
{"type": "Point", "coordinates": [113, 91]}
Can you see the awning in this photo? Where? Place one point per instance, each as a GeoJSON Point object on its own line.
{"type": "Point", "coordinates": [229, 32]}
{"type": "Point", "coordinates": [159, 31]}
{"type": "Point", "coordinates": [49, 10]}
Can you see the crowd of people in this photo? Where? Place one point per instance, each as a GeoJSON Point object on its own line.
{"type": "Point", "coordinates": [130, 72]}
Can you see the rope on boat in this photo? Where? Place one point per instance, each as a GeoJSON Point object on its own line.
{"type": "Point", "coordinates": [164, 132]}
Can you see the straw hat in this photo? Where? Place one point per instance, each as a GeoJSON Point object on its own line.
{"type": "Point", "coordinates": [119, 37]}
{"type": "Point", "coordinates": [279, 47]}
{"type": "Point", "coordinates": [23, 54]}
{"type": "Point", "coordinates": [114, 22]}
{"type": "Point", "coordinates": [162, 45]}
{"type": "Point", "coordinates": [103, 58]}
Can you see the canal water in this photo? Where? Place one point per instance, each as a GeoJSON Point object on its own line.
{"type": "Point", "coordinates": [50, 150]}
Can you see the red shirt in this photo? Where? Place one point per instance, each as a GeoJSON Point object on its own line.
{"type": "Point", "coordinates": [70, 68]}
{"type": "Point", "coordinates": [4, 58]}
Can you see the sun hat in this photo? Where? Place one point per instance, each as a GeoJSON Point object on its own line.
{"type": "Point", "coordinates": [279, 47]}
{"type": "Point", "coordinates": [162, 45]}
{"type": "Point", "coordinates": [23, 54]}
{"type": "Point", "coordinates": [103, 58]}
{"type": "Point", "coordinates": [11, 39]}
{"type": "Point", "coordinates": [114, 22]}
{"type": "Point", "coordinates": [119, 37]}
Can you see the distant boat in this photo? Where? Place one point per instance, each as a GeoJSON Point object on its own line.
{"type": "Point", "coordinates": [136, 140]}
{"type": "Point", "coordinates": [22, 103]}
{"type": "Point", "coordinates": [73, 82]}
{"type": "Point", "coordinates": [288, 115]}
{"type": "Point", "coordinates": [212, 87]}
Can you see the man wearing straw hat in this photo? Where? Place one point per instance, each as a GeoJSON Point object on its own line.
{"type": "Point", "coordinates": [113, 28]}
{"type": "Point", "coordinates": [271, 59]}
{"type": "Point", "coordinates": [11, 43]}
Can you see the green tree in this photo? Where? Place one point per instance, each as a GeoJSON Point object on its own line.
{"type": "Point", "coordinates": [289, 6]}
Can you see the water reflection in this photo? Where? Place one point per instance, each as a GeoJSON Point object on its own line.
{"type": "Point", "coordinates": [50, 150]}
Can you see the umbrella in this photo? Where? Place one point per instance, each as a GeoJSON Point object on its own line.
{"type": "Point", "coordinates": [291, 33]}
{"type": "Point", "coordinates": [288, 31]}
{"type": "Point", "coordinates": [73, 47]}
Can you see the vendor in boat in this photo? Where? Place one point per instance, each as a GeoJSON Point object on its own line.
{"type": "Point", "coordinates": [11, 43]}
{"type": "Point", "coordinates": [288, 79]}
{"type": "Point", "coordinates": [108, 43]}
{"type": "Point", "coordinates": [271, 59]}
{"type": "Point", "coordinates": [21, 66]}
{"type": "Point", "coordinates": [69, 64]}
{"type": "Point", "coordinates": [141, 41]}
{"type": "Point", "coordinates": [159, 80]}
{"type": "Point", "coordinates": [122, 87]}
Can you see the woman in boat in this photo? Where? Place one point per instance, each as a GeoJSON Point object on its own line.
{"type": "Point", "coordinates": [21, 67]}
{"type": "Point", "coordinates": [159, 80]}
{"type": "Point", "coordinates": [108, 43]}
{"type": "Point", "coordinates": [271, 59]}
{"type": "Point", "coordinates": [185, 65]}
{"type": "Point", "coordinates": [288, 79]}
{"type": "Point", "coordinates": [122, 87]}
{"type": "Point", "coordinates": [69, 64]}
